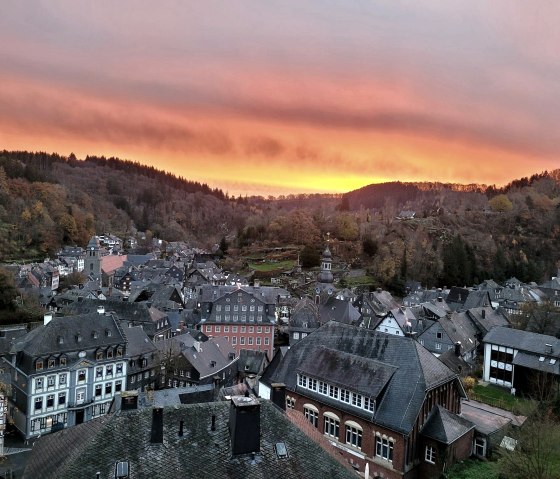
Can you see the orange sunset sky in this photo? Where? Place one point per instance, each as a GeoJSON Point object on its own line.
{"type": "Point", "coordinates": [277, 97]}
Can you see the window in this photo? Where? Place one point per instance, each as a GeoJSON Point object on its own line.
{"type": "Point", "coordinates": [38, 403]}
{"type": "Point", "coordinates": [81, 375]}
{"type": "Point", "coordinates": [384, 448]}
{"type": "Point", "coordinates": [38, 384]}
{"type": "Point", "coordinates": [39, 365]}
{"type": "Point", "coordinates": [311, 414]}
{"type": "Point", "coordinates": [234, 340]}
{"type": "Point", "coordinates": [109, 353]}
{"type": "Point", "coordinates": [251, 329]}
{"type": "Point", "coordinates": [119, 368]}
{"type": "Point", "coordinates": [108, 388]}
{"type": "Point", "coordinates": [119, 352]}
{"type": "Point", "coordinates": [431, 454]}
{"type": "Point", "coordinates": [354, 435]}
{"type": "Point", "coordinates": [61, 399]}
{"type": "Point", "coordinates": [226, 329]}
{"type": "Point", "coordinates": [345, 395]}
{"type": "Point", "coordinates": [296, 335]}
{"type": "Point", "coordinates": [323, 387]}
{"type": "Point", "coordinates": [439, 335]}
{"type": "Point", "coordinates": [438, 345]}
{"type": "Point", "coordinates": [109, 370]}
{"type": "Point", "coordinates": [369, 404]}
{"type": "Point", "coordinates": [118, 386]}
{"type": "Point", "coordinates": [208, 329]}
{"type": "Point", "coordinates": [50, 400]}
{"type": "Point", "coordinates": [50, 363]}
{"type": "Point", "coordinates": [99, 372]}
{"type": "Point", "coordinates": [218, 329]}
{"type": "Point", "coordinates": [480, 447]}
{"type": "Point", "coordinates": [356, 400]}
{"type": "Point", "coordinates": [62, 360]}
{"type": "Point", "coordinates": [250, 338]}
{"type": "Point", "coordinates": [242, 340]}
{"type": "Point", "coordinates": [258, 341]}
{"type": "Point", "coordinates": [333, 391]}
{"type": "Point", "coordinates": [332, 425]}
{"type": "Point", "coordinates": [302, 380]}
{"type": "Point", "coordinates": [290, 402]}
{"type": "Point", "coordinates": [234, 329]}
{"type": "Point", "coordinates": [98, 390]}
{"type": "Point", "coordinates": [243, 329]}
{"type": "Point", "coordinates": [99, 355]}
{"type": "Point", "coordinates": [266, 341]}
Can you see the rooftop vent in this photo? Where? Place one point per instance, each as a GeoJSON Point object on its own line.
{"type": "Point", "coordinates": [121, 470]}
{"type": "Point", "coordinates": [100, 309]}
{"type": "Point", "coordinates": [281, 450]}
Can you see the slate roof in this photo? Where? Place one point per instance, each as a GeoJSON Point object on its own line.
{"type": "Point", "coordinates": [201, 355]}
{"type": "Point", "coordinates": [533, 361]}
{"type": "Point", "coordinates": [267, 294]}
{"type": "Point", "coordinates": [45, 339]}
{"type": "Point", "coordinates": [491, 319]}
{"type": "Point", "coordinates": [138, 342]}
{"type": "Point", "coordinates": [416, 369]}
{"type": "Point", "coordinates": [338, 310]}
{"type": "Point", "coordinates": [201, 453]}
{"type": "Point", "coordinates": [444, 426]}
{"type": "Point", "coordinates": [459, 327]}
{"type": "Point", "coordinates": [524, 341]}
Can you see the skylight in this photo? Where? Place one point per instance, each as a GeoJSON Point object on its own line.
{"type": "Point", "coordinates": [281, 450]}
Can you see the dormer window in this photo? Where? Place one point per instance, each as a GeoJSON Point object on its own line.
{"type": "Point", "coordinates": [51, 363]}
{"type": "Point", "coordinates": [78, 338]}
{"type": "Point", "coordinates": [39, 365]}
{"type": "Point", "coordinates": [110, 353]}
{"type": "Point", "coordinates": [94, 334]}
{"type": "Point", "coordinates": [60, 340]}
{"type": "Point", "coordinates": [62, 360]}
{"type": "Point", "coordinates": [119, 352]}
{"type": "Point", "coordinates": [99, 355]}
{"type": "Point", "coordinates": [108, 333]}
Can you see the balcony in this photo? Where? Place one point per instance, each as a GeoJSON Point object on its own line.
{"type": "Point", "coordinates": [80, 404]}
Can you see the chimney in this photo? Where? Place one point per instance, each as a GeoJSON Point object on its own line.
{"type": "Point", "coordinates": [181, 424]}
{"type": "Point", "coordinates": [458, 349]}
{"type": "Point", "coordinates": [483, 313]}
{"type": "Point", "coordinates": [47, 318]}
{"type": "Point", "coordinates": [440, 299]}
{"type": "Point", "coordinates": [156, 436]}
{"type": "Point", "coordinates": [279, 395]}
{"type": "Point", "coordinates": [213, 426]}
{"type": "Point", "coordinates": [100, 309]}
{"type": "Point", "coordinates": [548, 348]}
{"type": "Point", "coordinates": [245, 425]}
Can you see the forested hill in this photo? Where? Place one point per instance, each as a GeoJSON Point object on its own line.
{"type": "Point", "coordinates": [47, 200]}
{"type": "Point", "coordinates": [427, 196]}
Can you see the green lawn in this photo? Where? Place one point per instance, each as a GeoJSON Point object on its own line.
{"type": "Point", "coordinates": [497, 396]}
{"type": "Point", "coordinates": [271, 265]}
{"type": "Point", "coordinates": [473, 469]}
{"type": "Point", "coordinates": [359, 281]}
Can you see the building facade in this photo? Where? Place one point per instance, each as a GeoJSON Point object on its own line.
{"type": "Point", "coordinates": [66, 372]}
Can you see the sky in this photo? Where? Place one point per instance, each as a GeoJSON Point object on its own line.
{"type": "Point", "coordinates": [288, 96]}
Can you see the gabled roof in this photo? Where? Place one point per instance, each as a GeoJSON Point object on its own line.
{"type": "Point", "coordinates": [444, 426]}
{"type": "Point", "coordinates": [207, 358]}
{"type": "Point", "coordinates": [202, 452]}
{"type": "Point", "coordinates": [138, 342]}
{"type": "Point", "coordinates": [417, 370]}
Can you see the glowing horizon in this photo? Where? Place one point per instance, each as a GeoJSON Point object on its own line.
{"type": "Point", "coordinates": [283, 98]}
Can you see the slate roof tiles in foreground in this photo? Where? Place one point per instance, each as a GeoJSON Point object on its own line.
{"type": "Point", "coordinates": [199, 454]}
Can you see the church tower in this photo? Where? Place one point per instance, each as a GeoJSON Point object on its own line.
{"type": "Point", "coordinates": [92, 262]}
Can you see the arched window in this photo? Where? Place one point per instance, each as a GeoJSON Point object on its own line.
{"type": "Point", "coordinates": [353, 434]}
{"type": "Point", "coordinates": [311, 413]}
{"type": "Point", "coordinates": [332, 424]}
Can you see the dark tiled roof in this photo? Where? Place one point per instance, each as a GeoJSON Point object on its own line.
{"type": "Point", "coordinates": [138, 342]}
{"type": "Point", "coordinates": [533, 361]}
{"type": "Point", "coordinates": [47, 339]}
{"type": "Point", "coordinates": [523, 340]}
{"type": "Point", "coordinates": [444, 426]}
{"type": "Point", "coordinates": [417, 370]}
{"type": "Point", "coordinates": [200, 453]}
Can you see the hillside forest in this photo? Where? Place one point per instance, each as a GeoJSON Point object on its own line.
{"type": "Point", "coordinates": [452, 234]}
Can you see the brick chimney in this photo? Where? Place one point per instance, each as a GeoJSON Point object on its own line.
{"type": "Point", "coordinates": [245, 424]}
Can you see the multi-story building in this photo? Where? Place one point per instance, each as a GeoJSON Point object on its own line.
{"type": "Point", "coordinates": [381, 400]}
{"type": "Point", "coordinates": [246, 316]}
{"type": "Point", "coordinates": [66, 372]}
